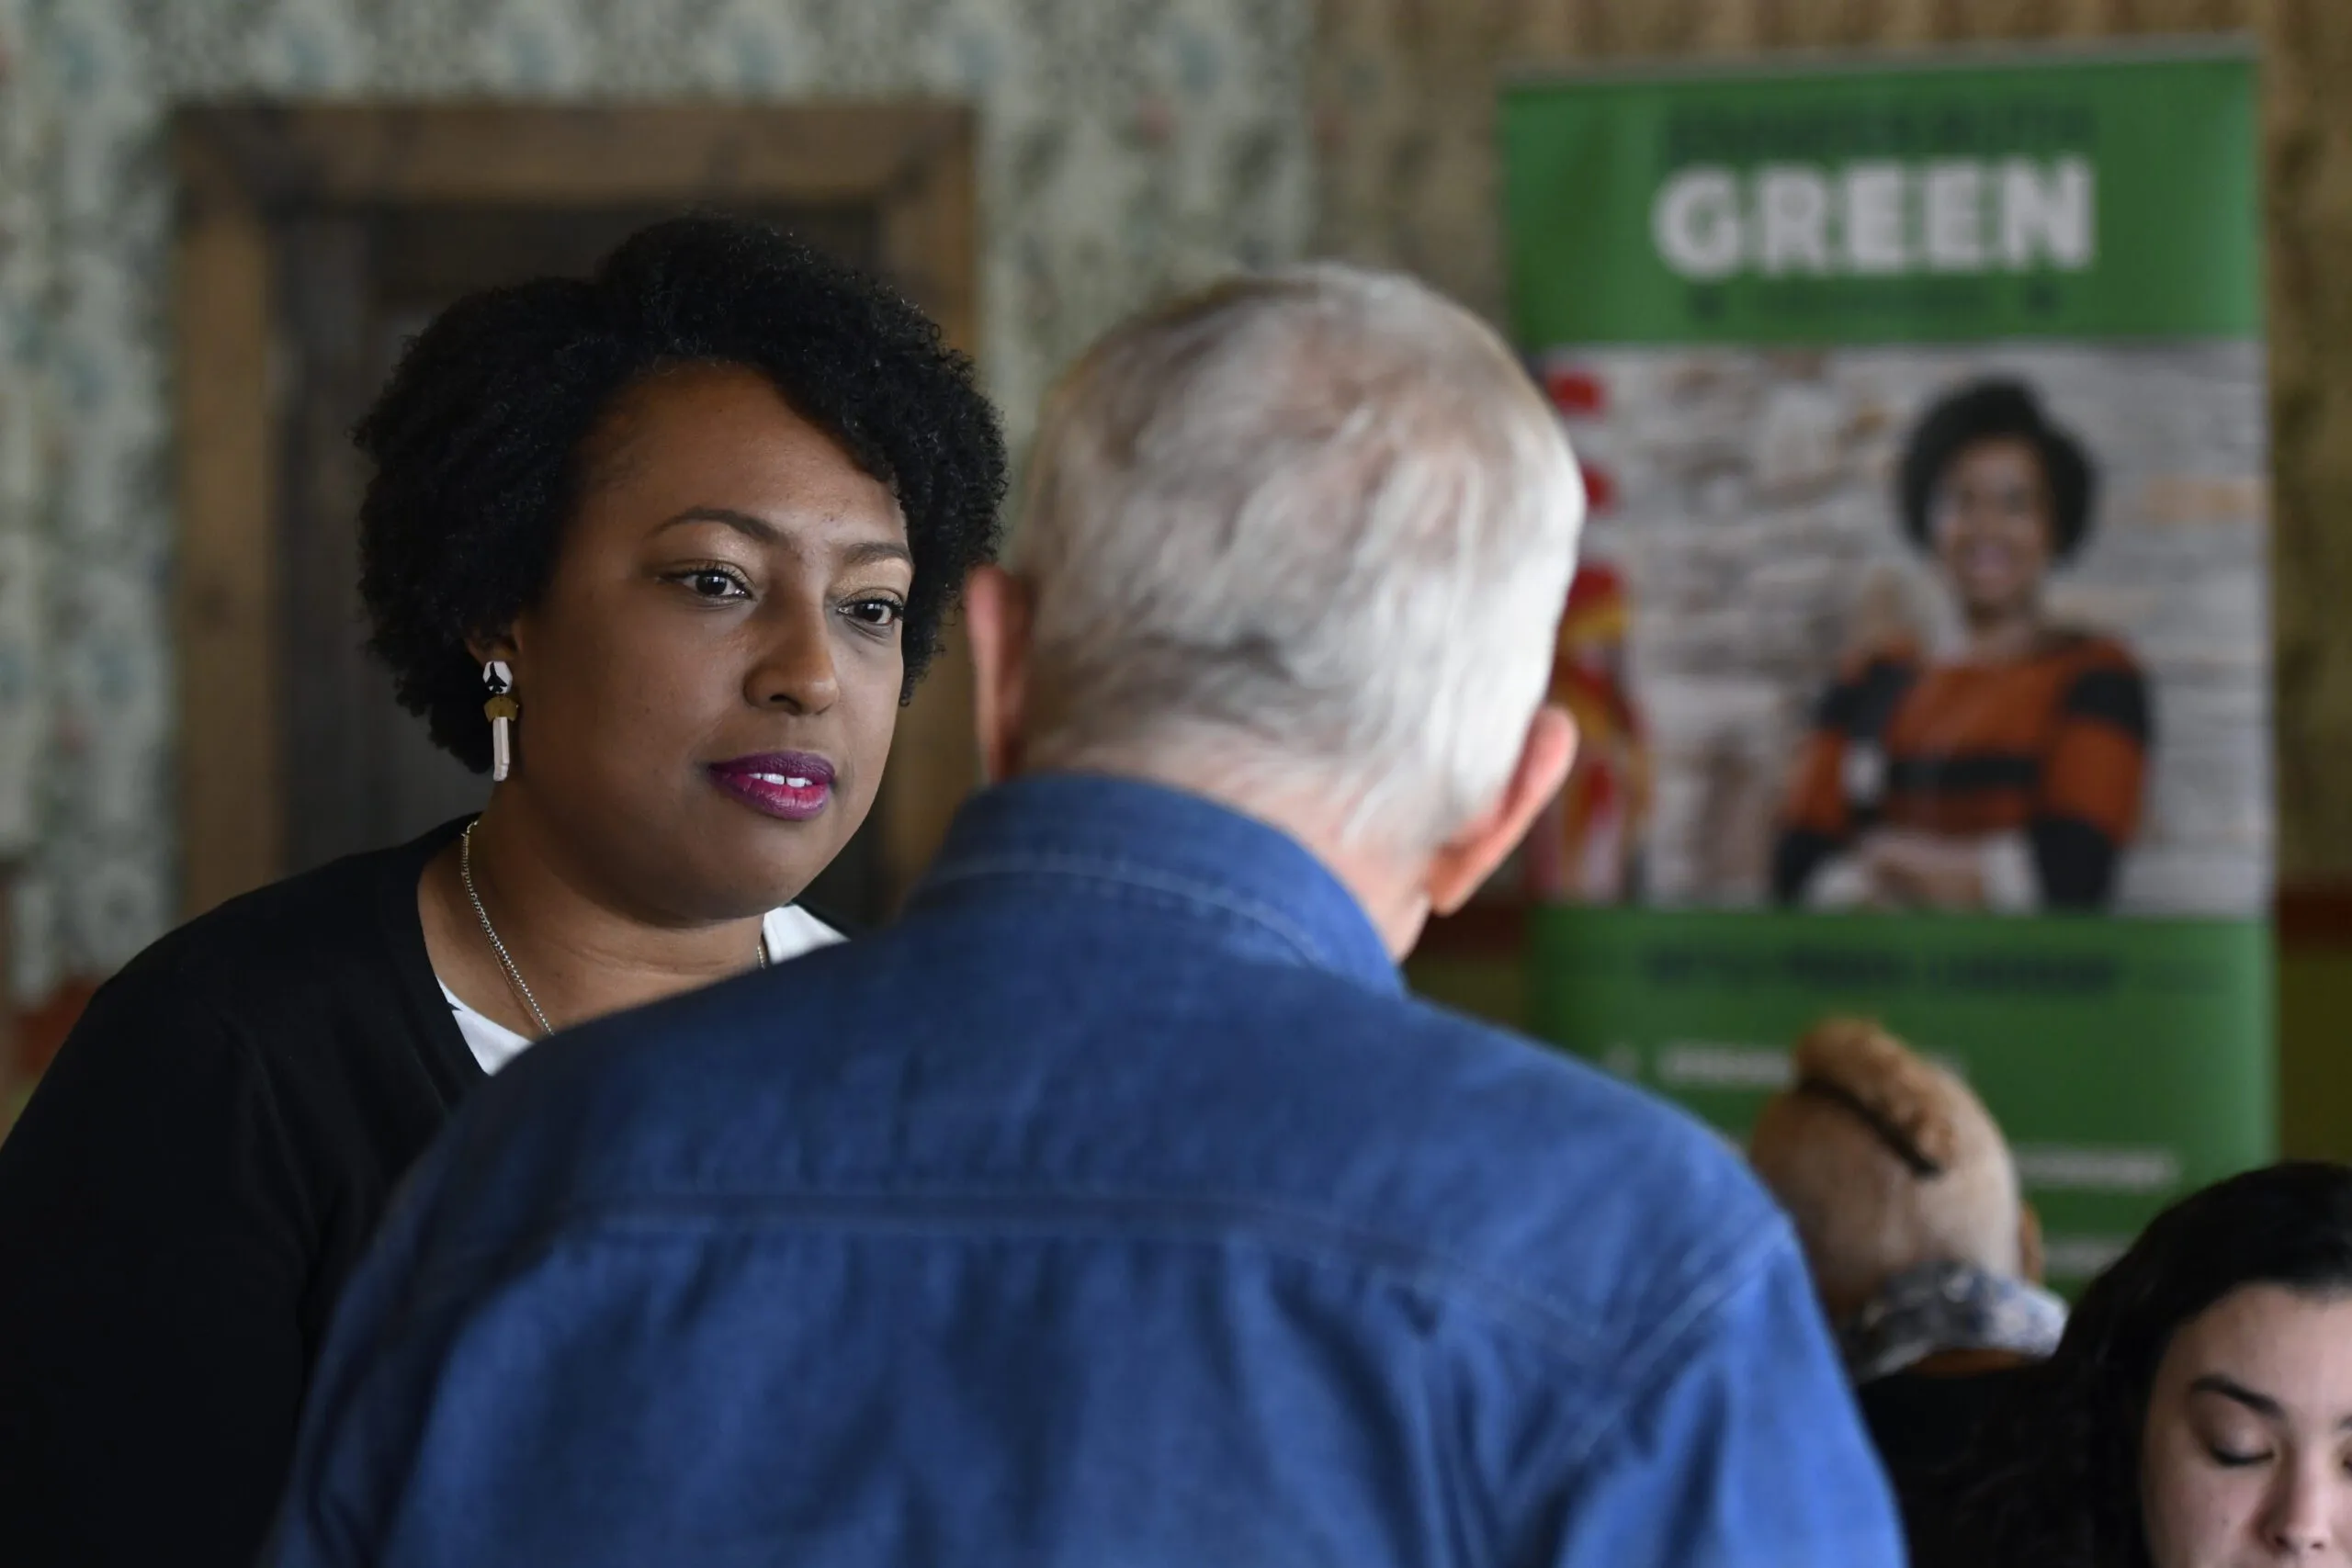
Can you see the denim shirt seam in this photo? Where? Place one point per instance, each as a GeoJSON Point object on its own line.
{"type": "Point", "coordinates": [1713, 1284]}
{"type": "Point", "coordinates": [1117, 872]}
{"type": "Point", "coordinates": [1269, 1230]}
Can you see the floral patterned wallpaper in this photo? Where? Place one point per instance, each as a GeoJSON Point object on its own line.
{"type": "Point", "coordinates": [27, 434]}
{"type": "Point", "coordinates": [1128, 146]}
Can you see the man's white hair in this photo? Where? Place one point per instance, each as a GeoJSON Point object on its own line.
{"type": "Point", "coordinates": [1312, 529]}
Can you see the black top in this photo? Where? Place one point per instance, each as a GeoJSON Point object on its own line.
{"type": "Point", "coordinates": [184, 1197]}
{"type": "Point", "coordinates": [1924, 1426]}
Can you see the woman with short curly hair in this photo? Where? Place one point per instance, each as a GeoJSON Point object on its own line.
{"type": "Point", "coordinates": [2003, 772]}
{"type": "Point", "coordinates": [663, 550]}
{"type": "Point", "coordinates": [2198, 1413]}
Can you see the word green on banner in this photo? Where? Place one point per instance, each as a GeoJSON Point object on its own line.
{"type": "Point", "coordinates": [2112, 1051]}
{"type": "Point", "coordinates": [1927, 202]}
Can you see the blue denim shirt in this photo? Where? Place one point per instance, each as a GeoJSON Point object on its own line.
{"type": "Point", "coordinates": [1114, 1207]}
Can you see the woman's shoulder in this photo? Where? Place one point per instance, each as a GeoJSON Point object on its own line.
{"type": "Point", "coordinates": [1902, 648]}
{"type": "Point", "coordinates": [2100, 679]}
{"type": "Point", "coordinates": [1868, 680]}
{"type": "Point", "coordinates": [2083, 650]}
{"type": "Point", "coordinates": [282, 1014]}
{"type": "Point", "coordinates": [1886, 659]}
{"type": "Point", "coordinates": [316, 930]}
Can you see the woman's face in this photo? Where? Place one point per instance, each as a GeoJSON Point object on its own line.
{"type": "Point", "coordinates": [1989, 522]}
{"type": "Point", "coordinates": [2246, 1457]}
{"type": "Point", "coordinates": [709, 685]}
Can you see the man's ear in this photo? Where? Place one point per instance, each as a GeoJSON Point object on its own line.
{"type": "Point", "coordinates": [1471, 855]}
{"type": "Point", "coordinates": [996, 618]}
{"type": "Point", "coordinates": [2030, 1257]}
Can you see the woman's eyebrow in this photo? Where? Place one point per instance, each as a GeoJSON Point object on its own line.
{"type": "Point", "coordinates": [757, 528]}
{"type": "Point", "coordinates": [871, 550]}
{"type": "Point", "coordinates": [2238, 1393]}
{"type": "Point", "coordinates": [761, 531]}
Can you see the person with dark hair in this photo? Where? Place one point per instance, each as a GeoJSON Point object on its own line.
{"type": "Point", "coordinates": [663, 550]}
{"type": "Point", "coordinates": [2009, 777]}
{"type": "Point", "coordinates": [2198, 1413]}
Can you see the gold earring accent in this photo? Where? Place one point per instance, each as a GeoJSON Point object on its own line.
{"type": "Point", "coordinates": [502, 710]}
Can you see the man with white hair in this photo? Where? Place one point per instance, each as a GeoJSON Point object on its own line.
{"type": "Point", "coordinates": [1117, 1206]}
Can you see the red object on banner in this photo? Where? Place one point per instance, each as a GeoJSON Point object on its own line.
{"type": "Point", "coordinates": [1597, 605]}
{"type": "Point", "coordinates": [1576, 393]}
{"type": "Point", "coordinates": [1586, 847]}
{"type": "Point", "coordinates": [1599, 488]}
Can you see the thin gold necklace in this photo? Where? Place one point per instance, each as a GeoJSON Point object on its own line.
{"type": "Point", "coordinates": [506, 959]}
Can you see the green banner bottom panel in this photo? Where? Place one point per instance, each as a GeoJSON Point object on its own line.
{"type": "Point", "coordinates": [2129, 1061]}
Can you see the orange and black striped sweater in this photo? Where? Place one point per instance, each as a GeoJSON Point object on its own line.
{"type": "Point", "coordinates": [2053, 747]}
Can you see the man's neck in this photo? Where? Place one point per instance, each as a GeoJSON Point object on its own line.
{"type": "Point", "coordinates": [1386, 889]}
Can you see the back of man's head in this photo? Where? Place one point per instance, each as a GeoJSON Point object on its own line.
{"type": "Point", "coordinates": [1307, 533]}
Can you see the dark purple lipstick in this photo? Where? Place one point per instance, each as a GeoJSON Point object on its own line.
{"type": "Point", "coordinates": [795, 786]}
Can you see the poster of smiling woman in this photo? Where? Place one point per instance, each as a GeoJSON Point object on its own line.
{"type": "Point", "coordinates": [1921, 647]}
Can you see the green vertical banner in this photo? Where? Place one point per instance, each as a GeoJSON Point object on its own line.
{"type": "Point", "coordinates": [1922, 643]}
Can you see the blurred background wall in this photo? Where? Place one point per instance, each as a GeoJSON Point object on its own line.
{"type": "Point", "coordinates": [1128, 145]}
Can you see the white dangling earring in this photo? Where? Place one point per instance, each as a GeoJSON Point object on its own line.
{"type": "Point", "coordinates": [500, 710]}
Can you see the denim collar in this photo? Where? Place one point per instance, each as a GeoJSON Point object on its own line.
{"type": "Point", "coordinates": [1093, 828]}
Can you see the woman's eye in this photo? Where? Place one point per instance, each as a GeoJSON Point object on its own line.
{"type": "Point", "coordinates": [876, 613]}
{"type": "Point", "coordinates": [714, 584]}
{"type": "Point", "coordinates": [2234, 1459]}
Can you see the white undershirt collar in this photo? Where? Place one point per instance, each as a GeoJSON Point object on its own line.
{"type": "Point", "coordinates": [789, 932]}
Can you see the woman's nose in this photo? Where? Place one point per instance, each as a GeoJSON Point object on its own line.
{"type": "Point", "coordinates": [2305, 1512]}
{"type": "Point", "coordinates": [795, 669]}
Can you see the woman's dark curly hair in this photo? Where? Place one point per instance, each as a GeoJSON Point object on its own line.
{"type": "Point", "coordinates": [1991, 411]}
{"type": "Point", "coordinates": [478, 438]}
{"type": "Point", "coordinates": [2057, 1470]}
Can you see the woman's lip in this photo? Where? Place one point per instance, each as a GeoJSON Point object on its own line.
{"type": "Point", "coordinates": [1981, 562]}
{"type": "Point", "coordinates": [792, 785]}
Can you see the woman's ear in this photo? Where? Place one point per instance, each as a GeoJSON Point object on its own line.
{"type": "Point", "coordinates": [2030, 1260]}
{"type": "Point", "coordinates": [482, 649]}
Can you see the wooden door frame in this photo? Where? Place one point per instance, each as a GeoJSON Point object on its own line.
{"type": "Point", "coordinates": [242, 166]}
